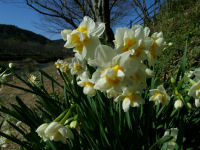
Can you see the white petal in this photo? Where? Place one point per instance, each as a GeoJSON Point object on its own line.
{"type": "Point", "coordinates": [99, 29]}
{"type": "Point", "coordinates": [101, 84]}
{"type": "Point", "coordinates": [120, 74]}
{"type": "Point", "coordinates": [147, 42]}
{"type": "Point", "coordinates": [80, 83]}
{"type": "Point", "coordinates": [160, 42]}
{"type": "Point", "coordinates": [104, 55]}
{"type": "Point", "coordinates": [90, 91]}
{"type": "Point", "coordinates": [119, 36]}
{"type": "Point", "coordinates": [126, 104]}
{"type": "Point", "coordinates": [64, 34]}
{"type": "Point", "coordinates": [197, 102]}
{"type": "Point", "coordinates": [146, 31]}
{"type": "Point", "coordinates": [90, 48]}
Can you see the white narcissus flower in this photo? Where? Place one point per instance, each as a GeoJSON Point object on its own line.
{"type": "Point", "coordinates": [57, 132]}
{"type": "Point", "coordinates": [109, 74]}
{"type": "Point", "coordinates": [32, 79]}
{"type": "Point", "coordinates": [87, 84]}
{"type": "Point", "coordinates": [155, 49]}
{"type": "Point", "coordinates": [65, 67]}
{"type": "Point", "coordinates": [195, 92]}
{"type": "Point", "coordinates": [137, 39]}
{"type": "Point", "coordinates": [159, 95]}
{"type": "Point", "coordinates": [174, 133]}
{"type": "Point", "coordinates": [58, 63]}
{"type": "Point", "coordinates": [197, 73]}
{"type": "Point", "coordinates": [40, 131]}
{"type": "Point", "coordinates": [178, 104]}
{"type": "Point", "coordinates": [133, 39]}
{"type": "Point", "coordinates": [84, 39]}
{"type": "Point", "coordinates": [78, 65]}
{"type": "Point", "coordinates": [128, 100]}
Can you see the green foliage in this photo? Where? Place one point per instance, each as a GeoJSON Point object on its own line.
{"type": "Point", "coordinates": [102, 122]}
{"type": "Point", "coordinates": [179, 23]}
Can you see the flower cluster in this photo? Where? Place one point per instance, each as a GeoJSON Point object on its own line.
{"type": "Point", "coordinates": [173, 132]}
{"type": "Point", "coordinates": [120, 71]}
{"type": "Point", "coordinates": [195, 89]}
{"type": "Point", "coordinates": [54, 131]}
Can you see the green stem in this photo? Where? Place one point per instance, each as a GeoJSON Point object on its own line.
{"type": "Point", "coordinates": [60, 116]}
{"type": "Point", "coordinates": [67, 114]}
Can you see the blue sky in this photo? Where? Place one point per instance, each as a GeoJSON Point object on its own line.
{"type": "Point", "coordinates": [23, 17]}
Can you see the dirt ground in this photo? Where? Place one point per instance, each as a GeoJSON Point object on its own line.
{"type": "Point", "coordinates": [28, 98]}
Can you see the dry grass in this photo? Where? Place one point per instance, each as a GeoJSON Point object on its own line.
{"type": "Point", "coordinates": [28, 98]}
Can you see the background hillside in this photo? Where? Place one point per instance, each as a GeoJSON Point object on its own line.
{"type": "Point", "coordinates": [18, 44]}
{"type": "Point", "coordinates": [179, 23]}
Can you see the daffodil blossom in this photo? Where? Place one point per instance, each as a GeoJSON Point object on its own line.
{"type": "Point", "coordinates": [133, 39]}
{"type": "Point", "coordinates": [127, 39]}
{"type": "Point", "coordinates": [58, 63]}
{"type": "Point", "coordinates": [178, 104]}
{"type": "Point", "coordinates": [159, 95]}
{"type": "Point", "coordinates": [195, 92]}
{"type": "Point", "coordinates": [40, 131]}
{"type": "Point", "coordinates": [128, 100]}
{"type": "Point", "coordinates": [87, 83]}
{"type": "Point", "coordinates": [197, 73]}
{"type": "Point", "coordinates": [109, 73]}
{"type": "Point", "coordinates": [84, 39]}
{"type": "Point", "coordinates": [32, 79]}
{"type": "Point", "coordinates": [78, 65]}
{"type": "Point", "coordinates": [172, 143]}
{"type": "Point", "coordinates": [65, 67]}
{"type": "Point", "coordinates": [57, 132]}
{"type": "Point", "coordinates": [155, 49]}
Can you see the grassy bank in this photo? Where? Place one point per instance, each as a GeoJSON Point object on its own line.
{"type": "Point", "coordinates": [179, 24]}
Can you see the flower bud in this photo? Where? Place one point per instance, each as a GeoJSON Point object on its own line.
{"type": "Point", "coordinates": [10, 65]}
{"type": "Point", "coordinates": [189, 105]}
{"type": "Point", "coordinates": [73, 124]}
{"type": "Point", "coordinates": [149, 72]}
{"type": "Point", "coordinates": [170, 44]}
{"type": "Point", "coordinates": [173, 80]}
{"type": "Point", "coordinates": [178, 104]}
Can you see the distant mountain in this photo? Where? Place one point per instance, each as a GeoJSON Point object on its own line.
{"type": "Point", "coordinates": [11, 31]}
{"type": "Point", "coordinates": [17, 44]}
{"type": "Point", "coordinates": [60, 42]}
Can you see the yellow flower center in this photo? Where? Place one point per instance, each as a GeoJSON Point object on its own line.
{"type": "Point", "coordinates": [128, 44]}
{"type": "Point", "coordinates": [87, 83]}
{"type": "Point", "coordinates": [58, 64]}
{"type": "Point", "coordinates": [77, 67]}
{"type": "Point", "coordinates": [115, 80]}
{"type": "Point", "coordinates": [75, 39]}
{"type": "Point", "coordinates": [66, 68]}
{"type": "Point", "coordinates": [160, 93]}
{"type": "Point", "coordinates": [32, 79]}
{"type": "Point", "coordinates": [138, 51]}
{"type": "Point", "coordinates": [131, 97]}
{"type": "Point", "coordinates": [82, 29]}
